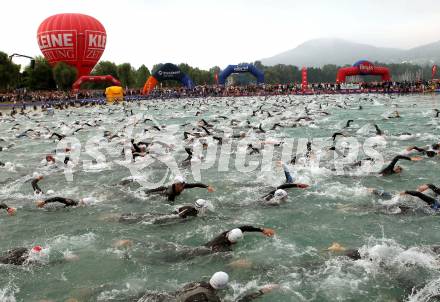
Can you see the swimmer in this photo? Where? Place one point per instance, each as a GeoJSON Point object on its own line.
{"type": "Point", "coordinates": [353, 254]}
{"type": "Point", "coordinates": [224, 241]}
{"type": "Point", "coordinates": [178, 186]}
{"type": "Point", "coordinates": [428, 151]}
{"type": "Point", "coordinates": [19, 256]}
{"type": "Point", "coordinates": [378, 131]}
{"type": "Point", "coordinates": [198, 209]}
{"type": "Point", "coordinates": [433, 203]}
{"type": "Point", "coordinates": [50, 160]}
{"type": "Point", "coordinates": [204, 291]}
{"type": "Point", "coordinates": [391, 169]}
{"type": "Point", "coordinates": [11, 211]}
{"type": "Point", "coordinates": [187, 160]}
{"type": "Point", "coordinates": [282, 195]}
{"type": "Point", "coordinates": [432, 187]}
{"type": "Point", "coordinates": [35, 187]}
{"type": "Point", "coordinates": [67, 202]}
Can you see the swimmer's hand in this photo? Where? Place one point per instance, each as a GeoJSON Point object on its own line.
{"type": "Point", "coordinates": [123, 243]}
{"type": "Point", "coordinates": [268, 232]}
{"type": "Point", "coordinates": [422, 188]}
{"type": "Point", "coordinates": [303, 186]}
{"type": "Point", "coordinates": [241, 263]}
{"type": "Point", "coordinates": [210, 189]}
{"type": "Point", "coordinates": [268, 288]}
{"type": "Point", "coordinates": [336, 247]}
{"type": "Point", "coordinates": [11, 211]}
{"type": "Point", "coordinates": [40, 204]}
{"type": "Point", "coordinates": [416, 158]}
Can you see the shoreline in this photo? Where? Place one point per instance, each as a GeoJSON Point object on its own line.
{"type": "Point", "coordinates": [4, 106]}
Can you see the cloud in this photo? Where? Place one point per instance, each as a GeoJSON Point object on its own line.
{"type": "Point", "coordinates": [205, 33]}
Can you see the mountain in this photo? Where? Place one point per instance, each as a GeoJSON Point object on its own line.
{"type": "Point", "coordinates": [316, 53]}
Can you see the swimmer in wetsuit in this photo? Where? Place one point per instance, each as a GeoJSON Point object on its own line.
{"type": "Point", "coordinates": [433, 203]}
{"type": "Point", "coordinates": [177, 188]}
{"type": "Point", "coordinates": [203, 292]}
{"type": "Point", "coordinates": [224, 241]}
{"type": "Point", "coordinates": [393, 169]}
{"type": "Point", "coordinates": [198, 209]}
{"type": "Point", "coordinates": [67, 202]}
{"type": "Point", "coordinates": [18, 256]}
{"type": "Point", "coordinates": [35, 186]}
{"type": "Point", "coordinates": [432, 187]}
{"type": "Point", "coordinates": [279, 191]}
{"type": "Point", "coordinates": [11, 211]}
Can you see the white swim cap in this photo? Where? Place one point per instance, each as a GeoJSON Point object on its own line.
{"type": "Point", "coordinates": [234, 235]}
{"type": "Point", "coordinates": [49, 192]}
{"type": "Point", "coordinates": [219, 280]}
{"type": "Point", "coordinates": [88, 200]}
{"type": "Point", "coordinates": [179, 179]}
{"type": "Point", "coordinates": [201, 203]}
{"type": "Point", "coordinates": [36, 174]}
{"type": "Point", "coordinates": [280, 193]}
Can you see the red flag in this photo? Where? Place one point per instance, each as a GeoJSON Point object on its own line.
{"type": "Point", "coordinates": [434, 71]}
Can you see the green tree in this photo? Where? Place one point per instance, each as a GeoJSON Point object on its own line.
{"type": "Point", "coordinates": [127, 75]}
{"type": "Point", "coordinates": [106, 68]}
{"type": "Point", "coordinates": [9, 72]}
{"type": "Point", "coordinates": [64, 75]}
{"type": "Point", "coordinates": [40, 77]}
{"type": "Point", "coordinates": [142, 74]}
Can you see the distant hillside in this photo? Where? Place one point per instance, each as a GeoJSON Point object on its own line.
{"type": "Point", "coordinates": [316, 53]}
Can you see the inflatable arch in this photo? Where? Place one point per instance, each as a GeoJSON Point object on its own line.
{"type": "Point", "coordinates": [84, 79]}
{"type": "Point", "coordinates": [240, 69]}
{"type": "Point", "coordinates": [166, 73]}
{"type": "Point", "coordinates": [363, 68]}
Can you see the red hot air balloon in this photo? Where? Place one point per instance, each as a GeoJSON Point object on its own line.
{"type": "Point", "coordinates": [76, 39]}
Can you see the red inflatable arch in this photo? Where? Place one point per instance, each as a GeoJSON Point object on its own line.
{"type": "Point", "coordinates": [363, 68]}
{"type": "Point", "coordinates": [106, 78]}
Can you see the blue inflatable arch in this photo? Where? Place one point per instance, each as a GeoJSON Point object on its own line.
{"type": "Point", "coordinates": [241, 69]}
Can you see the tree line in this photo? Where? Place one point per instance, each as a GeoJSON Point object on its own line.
{"type": "Point", "coordinates": [42, 76]}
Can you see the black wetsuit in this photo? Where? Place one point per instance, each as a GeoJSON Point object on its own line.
{"type": "Point", "coordinates": [66, 201]}
{"type": "Point", "coordinates": [187, 160]}
{"type": "Point", "coordinates": [429, 153]}
{"type": "Point", "coordinates": [35, 186]}
{"type": "Point", "coordinates": [170, 191]}
{"type": "Point", "coordinates": [378, 131]}
{"type": "Point", "coordinates": [194, 292]}
{"type": "Point", "coordinates": [3, 206]}
{"type": "Point", "coordinates": [15, 256]}
{"type": "Point", "coordinates": [388, 170]}
{"type": "Point", "coordinates": [222, 244]}
{"type": "Point", "coordinates": [182, 212]}
{"type": "Point", "coordinates": [284, 186]}
{"type": "Point", "coordinates": [432, 202]}
{"type": "Point", "coordinates": [187, 211]}
{"type": "Point", "coordinates": [435, 189]}
{"type": "Point", "coordinates": [353, 254]}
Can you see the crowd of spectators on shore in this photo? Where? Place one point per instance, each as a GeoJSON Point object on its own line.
{"type": "Point", "coordinates": [19, 97]}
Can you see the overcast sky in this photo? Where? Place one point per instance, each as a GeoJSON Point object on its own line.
{"type": "Point", "coordinates": [205, 33]}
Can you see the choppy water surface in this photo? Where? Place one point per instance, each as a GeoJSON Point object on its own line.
{"type": "Point", "coordinates": [334, 208]}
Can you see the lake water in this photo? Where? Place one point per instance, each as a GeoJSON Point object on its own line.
{"type": "Point", "coordinates": [335, 208]}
